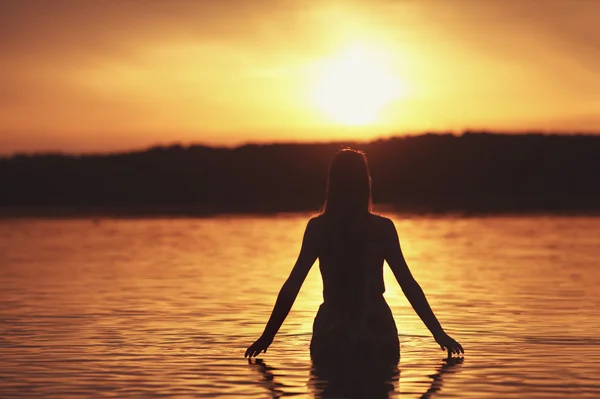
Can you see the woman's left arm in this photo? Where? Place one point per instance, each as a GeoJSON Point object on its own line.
{"type": "Point", "coordinates": [289, 291]}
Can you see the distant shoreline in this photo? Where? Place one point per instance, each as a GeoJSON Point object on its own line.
{"type": "Point", "coordinates": [334, 142]}
{"type": "Point", "coordinates": [176, 212]}
{"type": "Point", "coordinates": [471, 174]}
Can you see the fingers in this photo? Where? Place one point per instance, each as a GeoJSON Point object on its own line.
{"type": "Point", "coordinates": [457, 349]}
{"type": "Point", "coordinates": [254, 350]}
{"type": "Point", "coordinates": [448, 344]}
{"type": "Point", "coordinates": [251, 351]}
{"type": "Point", "coordinates": [453, 347]}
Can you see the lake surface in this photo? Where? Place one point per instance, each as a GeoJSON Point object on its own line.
{"type": "Point", "coordinates": [166, 308]}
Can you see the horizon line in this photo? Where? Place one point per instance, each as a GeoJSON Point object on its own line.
{"type": "Point", "coordinates": [184, 145]}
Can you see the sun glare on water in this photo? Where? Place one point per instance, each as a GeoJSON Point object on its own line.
{"type": "Point", "coordinates": [354, 86]}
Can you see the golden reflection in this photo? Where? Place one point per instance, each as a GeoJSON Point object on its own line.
{"type": "Point", "coordinates": [355, 380]}
{"type": "Point", "coordinates": [165, 306]}
{"type": "Point", "coordinates": [447, 367]}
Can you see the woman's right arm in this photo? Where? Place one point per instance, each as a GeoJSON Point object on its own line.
{"type": "Point", "coordinates": [287, 295]}
{"type": "Point", "coordinates": [413, 291]}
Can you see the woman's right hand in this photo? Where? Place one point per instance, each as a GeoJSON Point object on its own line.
{"type": "Point", "coordinates": [260, 345]}
{"type": "Point", "coordinates": [446, 342]}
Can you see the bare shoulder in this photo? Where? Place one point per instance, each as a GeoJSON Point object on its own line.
{"type": "Point", "coordinates": [314, 223]}
{"type": "Point", "coordinates": [383, 223]}
{"type": "Point", "coordinates": [316, 219]}
{"type": "Point", "coordinates": [386, 229]}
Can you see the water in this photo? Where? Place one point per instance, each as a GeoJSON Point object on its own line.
{"type": "Point", "coordinates": [166, 308]}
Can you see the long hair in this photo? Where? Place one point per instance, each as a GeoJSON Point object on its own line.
{"type": "Point", "coordinates": [348, 185]}
{"type": "Point", "coordinates": [346, 212]}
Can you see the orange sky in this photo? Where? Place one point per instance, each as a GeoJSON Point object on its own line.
{"type": "Point", "coordinates": [113, 75]}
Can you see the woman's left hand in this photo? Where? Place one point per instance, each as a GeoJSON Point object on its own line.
{"type": "Point", "coordinates": [446, 342]}
{"type": "Point", "coordinates": [260, 345]}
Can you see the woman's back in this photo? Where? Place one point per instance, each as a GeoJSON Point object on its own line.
{"type": "Point", "coordinates": [354, 313]}
{"type": "Point", "coordinates": [351, 256]}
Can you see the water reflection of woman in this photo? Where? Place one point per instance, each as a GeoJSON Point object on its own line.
{"type": "Point", "coordinates": [354, 322]}
{"type": "Point", "coordinates": [354, 381]}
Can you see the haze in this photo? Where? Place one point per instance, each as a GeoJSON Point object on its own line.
{"type": "Point", "coordinates": [102, 76]}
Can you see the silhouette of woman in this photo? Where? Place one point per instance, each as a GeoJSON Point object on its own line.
{"type": "Point", "coordinates": [354, 322]}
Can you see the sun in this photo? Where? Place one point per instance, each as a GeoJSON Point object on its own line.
{"type": "Point", "coordinates": [354, 86]}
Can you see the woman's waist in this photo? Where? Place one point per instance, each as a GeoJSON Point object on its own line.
{"type": "Point", "coordinates": [353, 301]}
{"type": "Point", "coordinates": [373, 312]}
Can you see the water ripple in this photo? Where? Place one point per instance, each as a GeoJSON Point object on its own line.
{"type": "Point", "coordinates": [165, 308]}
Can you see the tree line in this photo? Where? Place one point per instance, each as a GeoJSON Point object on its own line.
{"type": "Point", "coordinates": [472, 172]}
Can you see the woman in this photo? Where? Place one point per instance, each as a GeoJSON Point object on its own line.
{"type": "Point", "coordinates": [352, 243]}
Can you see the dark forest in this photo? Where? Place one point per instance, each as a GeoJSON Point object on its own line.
{"type": "Point", "coordinates": [431, 173]}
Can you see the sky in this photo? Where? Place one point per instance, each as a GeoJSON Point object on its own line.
{"type": "Point", "coordinates": [113, 75]}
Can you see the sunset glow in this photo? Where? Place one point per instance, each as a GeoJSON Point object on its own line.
{"type": "Point", "coordinates": [227, 73]}
{"type": "Point", "coordinates": [354, 86]}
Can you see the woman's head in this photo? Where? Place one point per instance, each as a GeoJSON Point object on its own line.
{"type": "Point", "coordinates": [349, 184]}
